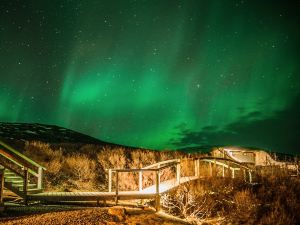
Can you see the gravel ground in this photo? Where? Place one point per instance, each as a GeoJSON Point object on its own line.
{"type": "Point", "coordinates": [45, 215]}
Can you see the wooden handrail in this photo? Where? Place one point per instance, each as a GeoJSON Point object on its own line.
{"type": "Point", "coordinates": [23, 162]}
{"type": "Point", "coordinates": [214, 161]}
{"type": "Point", "coordinates": [228, 166]}
{"type": "Point", "coordinates": [171, 161]}
{"type": "Point", "coordinates": [14, 161]}
{"type": "Point", "coordinates": [18, 154]}
{"type": "Point", "coordinates": [224, 159]}
{"type": "Point", "coordinates": [142, 169]}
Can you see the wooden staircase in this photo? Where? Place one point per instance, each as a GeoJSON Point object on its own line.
{"type": "Point", "coordinates": [18, 173]}
{"type": "Point", "coordinates": [15, 183]}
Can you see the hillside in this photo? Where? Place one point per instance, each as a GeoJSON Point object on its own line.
{"type": "Point", "coordinates": [81, 158]}
{"type": "Point", "coordinates": [18, 134]}
{"type": "Point", "coordinates": [44, 133]}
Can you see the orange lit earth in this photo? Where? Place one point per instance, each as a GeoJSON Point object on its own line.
{"type": "Point", "coordinates": [94, 216]}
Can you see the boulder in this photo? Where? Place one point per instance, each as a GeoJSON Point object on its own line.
{"type": "Point", "coordinates": [118, 212]}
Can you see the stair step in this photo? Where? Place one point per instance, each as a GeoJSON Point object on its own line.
{"type": "Point", "coordinates": [9, 173]}
{"type": "Point", "coordinates": [15, 182]}
{"type": "Point", "coordinates": [13, 177]}
{"type": "Point", "coordinates": [34, 191]}
{"type": "Point", "coordinates": [21, 185]}
{"type": "Point", "coordinates": [31, 190]}
{"type": "Point", "coordinates": [9, 180]}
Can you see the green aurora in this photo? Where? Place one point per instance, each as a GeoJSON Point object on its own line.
{"type": "Point", "coordinates": [155, 74]}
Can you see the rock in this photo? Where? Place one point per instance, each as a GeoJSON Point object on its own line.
{"type": "Point", "coordinates": [118, 212]}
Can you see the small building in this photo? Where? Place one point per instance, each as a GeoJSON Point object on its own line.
{"type": "Point", "coordinates": [256, 157]}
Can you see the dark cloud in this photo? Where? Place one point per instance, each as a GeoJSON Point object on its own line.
{"type": "Point", "coordinates": [279, 133]}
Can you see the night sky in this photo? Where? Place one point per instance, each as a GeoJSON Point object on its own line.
{"type": "Point", "coordinates": [161, 74]}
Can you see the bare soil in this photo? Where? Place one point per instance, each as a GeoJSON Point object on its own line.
{"type": "Point", "coordinates": [45, 215]}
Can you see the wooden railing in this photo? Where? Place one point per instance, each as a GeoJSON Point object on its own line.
{"type": "Point", "coordinates": [156, 168]}
{"type": "Point", "coordinates": [227, 163]}
{"type": "Point", "coordinates": [21, 165]}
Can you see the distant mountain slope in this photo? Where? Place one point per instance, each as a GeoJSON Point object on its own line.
{"type": "Point", "coordinates": [45, 133]}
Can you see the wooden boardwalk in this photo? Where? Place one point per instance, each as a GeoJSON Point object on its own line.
{"type": "Point", "coordinates": [154, 191]}
{"type": "Point", "coordinates": [147, 193]}
{"type": "Point", "coordinates": [17, 169]}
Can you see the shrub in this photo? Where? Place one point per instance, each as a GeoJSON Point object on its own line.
{"type": "Point", "coordinates": [188, 204]}
{"type": "Point", "coordinates": [80, 171]}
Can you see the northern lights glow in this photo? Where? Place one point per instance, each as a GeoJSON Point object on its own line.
{"type": "Point", "coordinates": [155, 74]}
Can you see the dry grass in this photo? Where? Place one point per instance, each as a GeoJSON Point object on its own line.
{"type": "Point", "coordinates": [78, 168]}
{"type": "Point", "coordinates": [189, 203]}
{"type": "Point", "coordinates": [274, 200]}
{"type": "Point", "coordinates": [81, 171]}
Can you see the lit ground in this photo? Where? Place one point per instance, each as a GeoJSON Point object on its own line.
{"type": "Point", "coordinates": [77, 215]}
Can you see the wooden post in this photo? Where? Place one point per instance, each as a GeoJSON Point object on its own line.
{"type": "Point", "coordinates": [109, 180]}
{"type": "Point", "coordinates": [140, 181]}
{"type": "Point", "coordinates": [272, 168]}
{"type": "Point", "coordinates": [228, 169]}
{"type": "Point", "coordinates": [117, 187]}
{"type": "Point", "coordinates": [232, 172]}
{"type": "Point", "coordinates": [198, 162]}
{"type": "Point", "coordinates": [250, 176]}
{"type": "Point", "coordinates": [40, 178]}
{"type": "Point", "coordinates": [25, 184]}
{"type": "Point", "coordinates": [1, 186]}
{"type": "Point", "coordinates": [157, 198]}
{"type": "Point", "coordinates": [178, 172]}
{"type": "Point", "coordinates": [215, 168]}
{"type": "Point", "coordinates": [197, 167]}
{"type": "Point", "coordinates": [210, 169]}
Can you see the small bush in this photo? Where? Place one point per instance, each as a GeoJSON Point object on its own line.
{"type": "Point", "coordinates": [188, 204]}
{"type": "Point", "coordinates": [81, 171]}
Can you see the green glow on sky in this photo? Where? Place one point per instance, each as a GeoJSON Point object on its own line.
{"type": "Point", "coordinates": [155, 74]}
